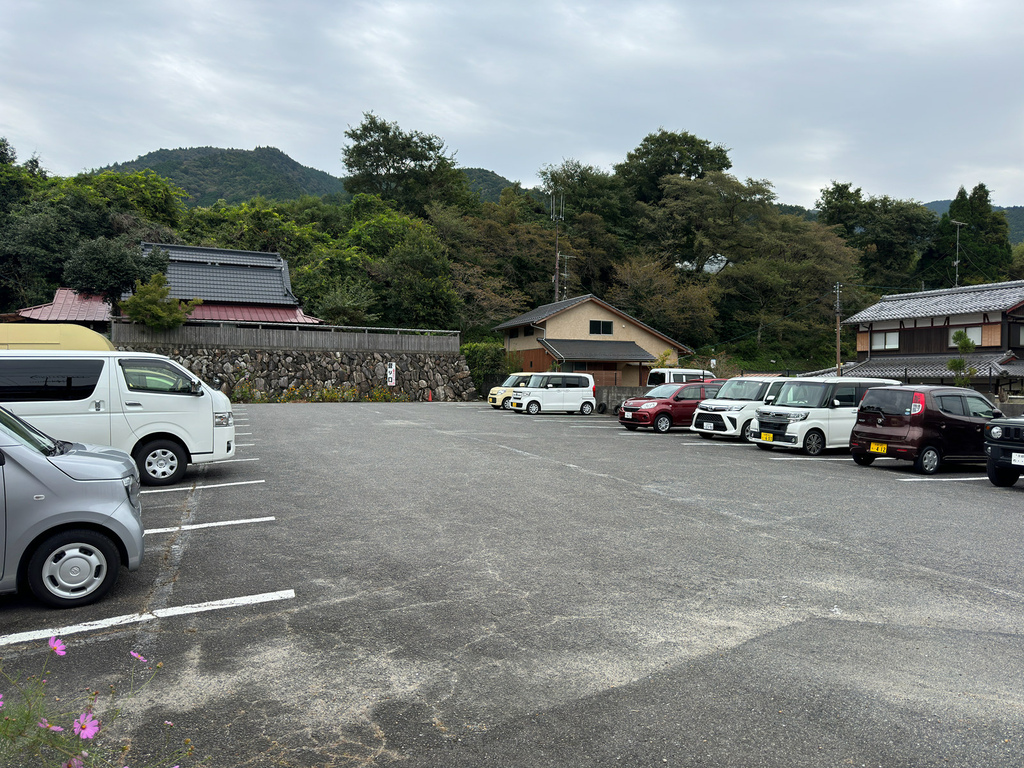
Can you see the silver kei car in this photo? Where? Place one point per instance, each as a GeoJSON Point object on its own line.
{"type": "Point", "coordinates": [70, 515]}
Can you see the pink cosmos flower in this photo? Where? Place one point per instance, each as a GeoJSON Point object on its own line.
{"type": "Point", "coordinates": [57, 646]}
{"type": "Point", "coordinates": [86, 726]}
{"type": "Point", "coordinates": [138, 656]}
{"type": "Point", "coordinates": [44, 723]}
{"type": "Point", "coordinates": [74, 762]}
{"type": "Point", "coordinates": [1, 701]}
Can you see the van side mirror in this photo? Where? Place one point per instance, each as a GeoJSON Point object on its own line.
{"type": "Point", "coordinates": [770, 399]}
{"type": "Point", "coordinates": [996, 413]}
{"type": "Point", "coordinates": [197, 387]}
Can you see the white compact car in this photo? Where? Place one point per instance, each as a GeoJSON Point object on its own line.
{"type": "Point", "coordinates": [569, 392]}
{"type": "Point", "coordinates": [734, 408]}
{"type": "Point", "coordinates": [812, 414]}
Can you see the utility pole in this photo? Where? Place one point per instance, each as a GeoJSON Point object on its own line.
{"type": "Point", "coordinates": [557, 215]}
{"type": "Point", "coordinates": [956, 262]}
{"type": "Point", "coordinates": [839, 312]}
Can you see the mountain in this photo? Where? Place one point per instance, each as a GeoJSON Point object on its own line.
{"type": "Point", "coordinates": [1014, 217]}
{"type": "Point", "coordinates": [210, 174]}
{"type": "Point", "coordinates": [486, 183]}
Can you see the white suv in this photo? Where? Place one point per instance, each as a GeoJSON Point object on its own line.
{"type": "Point", "coordinates": [569, 392]}
{"type": "Point", "coordinates": [734, 408]}
{"type": "Point", "coordinates": [812, 413]}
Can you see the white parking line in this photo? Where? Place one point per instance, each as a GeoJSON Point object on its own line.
{"type": "Point", "coordinates": [232, 461]}
{"type": "Point", "coordinates": [137, 618]}
{"type": "Point", "coordinates": [811, 458]}
{"type": "Point", "coordinates": [202, 487]}
{"type": "Point", "coordinates": [244, 445]}
{"type": "Point", "coordinates": [939, 479]}
{"type": "Point", "coordinates": [208, 525]}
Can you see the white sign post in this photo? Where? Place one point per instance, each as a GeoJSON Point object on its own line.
{"type": "Point", "coordinates": [392, 374]}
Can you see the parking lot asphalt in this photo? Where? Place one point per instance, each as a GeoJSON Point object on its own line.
{"type": "Point", "coordinates": [441, 584]}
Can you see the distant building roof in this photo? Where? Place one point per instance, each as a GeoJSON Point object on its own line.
{"type": "Point", "coordinates": [549, 310]}
{"type": "Point", "coordinates": [220, 274]}
{"type": "Point", "coordinates": [993, 297]}
{"type": "Point", "coordinates": [69, 307]}
{"type": "Point", "coordinates": [933, 366]}
{"type": "Point", "coordinates": [610, 351]}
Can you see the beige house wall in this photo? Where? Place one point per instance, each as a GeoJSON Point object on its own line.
{"type": "Point", "coordinates": [574, 323]}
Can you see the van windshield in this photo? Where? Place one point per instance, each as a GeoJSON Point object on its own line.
{"type": "Point", "coordinates": [740, 389]}
{"type": "Point", "coordinates": [892, 402]}
{"type": "Point", "coordinates": [802, 394]}
{"type": "Point", "coordinates": [26, 434]}
{"type": "Point", "coordinates": [515, 381]}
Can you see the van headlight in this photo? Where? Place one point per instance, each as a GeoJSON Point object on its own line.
{"type": "Point", "coordinates": [800, 416]}
{"type": "Point", "coordinates": [995, 432]}
{"type": "Point", "coordinates": [223, 419]}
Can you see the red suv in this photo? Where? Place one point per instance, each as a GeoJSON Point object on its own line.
{"type": "Point", "coordinates": [927, 425]}
{"type": "Point", "coordinates": [667, 405]}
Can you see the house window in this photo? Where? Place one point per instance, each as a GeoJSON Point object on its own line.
{"type": "Point", "coordinates": [513, 333]}
{"type": "Point", "coordinates": [528, 330]}
{"type": "Point", "coordinates": [601, 327]}
{"type": "Point", "coordinates": [973, 333]}
{"type": "Point", "coordinates": [885, 340]}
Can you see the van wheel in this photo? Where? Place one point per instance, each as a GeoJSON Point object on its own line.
{"type": "Point", "coordinates": [928, 461]}
{"type": "Point", "coordinates": [814, 443]}
{"type": "Point", "coordinates": [533, 408]}
{"type": "Point", "coordinates": [864, 459]}
{"type": "Point", "coordinates": [160, 462]}
{"type": "Point", "coordinates": [73, 568]}
{"type": "Point", "coordinates": [745, 431]}
{"type": "Point", "coordinates": [663, 423]}
{"type": "Point", "coordinates": [1001, 477]}
{"type": "Point", "coordinates": [506, 404]}
{"type": "Point", "coordinates": [587, 408]}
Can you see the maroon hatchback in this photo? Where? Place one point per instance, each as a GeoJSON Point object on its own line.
{"type": "Point", "coordinates": [667, 405]}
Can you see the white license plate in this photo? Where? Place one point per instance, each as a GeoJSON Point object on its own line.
{"type": "Point", "coordinates": [627, 415]}
{"type": "Point", "coordinates": [708, 425]}
{"type": "Point", "coordinates": [1017, 459]}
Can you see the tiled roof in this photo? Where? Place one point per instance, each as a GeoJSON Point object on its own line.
{"type": "Point", "coordinates": [543, 312]}
{"type": "Point", "coordinates": [993, 297]}
{"type": "Point", "coordinates": [608, 351]}
{"type": "Point", "coordinates": [934, 366]}
{"type": "Point", "coordinates": [218, 274]}
{"type": "Point", "coordinates": [69, 307]}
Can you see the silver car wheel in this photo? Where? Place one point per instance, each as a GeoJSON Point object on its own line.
{"type": "Point", "coordinates": [74, 570]}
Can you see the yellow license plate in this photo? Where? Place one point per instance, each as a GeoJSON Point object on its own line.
{"type": "Point", "coordinates": [517, 405]}
{"type": "Point", "coordinates": [767, 436]}
{"type": "Point", "coordinates": [877, 448]}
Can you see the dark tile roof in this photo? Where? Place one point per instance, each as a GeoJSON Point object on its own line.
{"type": "Point", "coordinates": [606, 351]}
{"type": "Point", "coordinates": [218, 274]}
{"type": "Point", "coordinates": [934, 366]}
{"type": "Point", "coordinates": [543, 312]}
{"type": "Point", "coordinates": [993, 297]}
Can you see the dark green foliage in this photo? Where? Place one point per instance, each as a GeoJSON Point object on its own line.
{"type": "Point", "coordinates": [487, 361]}
{"type": "Point", "coordinates": [487, 184]}
{"type": "Point", "coordinates": [151, 305]}
{"type": "Point", "coordinates": [110, 267]}
{"type": "Point", "coordinates": [209, 174]}
{"type": "Point", "coordinates": [665, 153]}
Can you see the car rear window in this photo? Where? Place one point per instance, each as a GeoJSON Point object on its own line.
{"type": "Point", "coordinates": [889, 401]}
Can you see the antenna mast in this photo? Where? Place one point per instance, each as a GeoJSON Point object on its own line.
{"type": "Point", "coordinates": [557, 215]}
{"type": "Point", "coordinates": [956, 262]}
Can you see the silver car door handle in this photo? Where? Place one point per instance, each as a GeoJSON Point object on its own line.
{"type": "Point", "coordinates": [133, 405]}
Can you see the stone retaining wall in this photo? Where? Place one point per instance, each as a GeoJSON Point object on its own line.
{"type": "Point", "coordinates": [421, 376]}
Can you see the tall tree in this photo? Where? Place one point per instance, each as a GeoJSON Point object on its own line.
{"type": "Point", "coordinates": [665, 153]}
{"type": "Point", "coordinates": [111, 267]}
{"type": "Point", "coordinates": [411, 168]}
{"type": "Point", "coordinates": [972, 234]}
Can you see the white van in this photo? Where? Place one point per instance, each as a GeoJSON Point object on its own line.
{"type": "Point", "coordinates": [731, 412]}
{"type": "Point", "coordinates": [813, 413]}
{"type": "Point", "coordinates": [658, 376]}
{"type": "Point", "coordinates": [144, 404]}
{"type": "Point", "coordinates": [569, 392]}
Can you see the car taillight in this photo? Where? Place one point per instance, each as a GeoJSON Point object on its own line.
{"type": "Point", "coordinates": [918, 405]}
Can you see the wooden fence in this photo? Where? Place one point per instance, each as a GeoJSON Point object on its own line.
{"type": "Point", "coordinates": [327, 338]}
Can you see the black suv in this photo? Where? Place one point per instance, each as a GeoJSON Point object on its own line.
{"type": "Point", "coordinates": [1004, 446]}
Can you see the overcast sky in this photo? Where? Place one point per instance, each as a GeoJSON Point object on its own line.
{"type": "Point", "coordinates": [900, 97]}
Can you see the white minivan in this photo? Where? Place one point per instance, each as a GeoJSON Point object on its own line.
{"type": "Point", "coordinates": [144, 404]}
{"type": "Point", "coordinates": [734, 408]}
{"type": "Point", "coordinates": [657, 376]}
{"type": "Point", "coordinates": [812, 413]}
{"type": "Point", "coordinates": [569, 392]}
